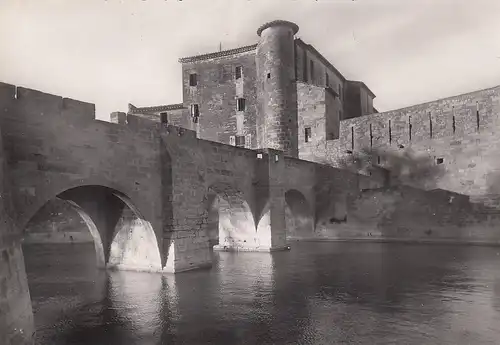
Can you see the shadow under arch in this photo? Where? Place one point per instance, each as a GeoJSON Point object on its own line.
{"type": "Point", "coordinates": [123, 238]}
{"type": "Point", "coordinates": [299, 218]}
{"type": "Point", "coordinates": [231, 221]}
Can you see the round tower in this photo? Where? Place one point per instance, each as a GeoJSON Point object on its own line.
{"type": "Point", "coordinates": [276, 87]}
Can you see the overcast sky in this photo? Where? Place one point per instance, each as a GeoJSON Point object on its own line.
{"type": "Point", "coordinates": [115, 52]}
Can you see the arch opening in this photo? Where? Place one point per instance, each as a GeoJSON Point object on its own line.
{"type": "Point", "coordinates": [299, 219]}
{"type": "Point", "coordinates": [121, 236]}
{"type": "Point", "coordinates": [71, 237]}
{"type": "Point", "coordinates": [231, 224]}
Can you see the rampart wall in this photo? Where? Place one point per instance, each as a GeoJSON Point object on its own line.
{"type": "Point", "coordinates": [456, 137]}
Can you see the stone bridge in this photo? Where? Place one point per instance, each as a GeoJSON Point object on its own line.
{"type": "Point", "coordinates": [153, 196]}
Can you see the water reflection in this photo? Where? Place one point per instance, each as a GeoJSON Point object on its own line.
{"type": "Point", "coordinates": [318, 293]}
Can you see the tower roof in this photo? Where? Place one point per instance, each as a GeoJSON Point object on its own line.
{"type": "Point", "coordinates": [293, 26]}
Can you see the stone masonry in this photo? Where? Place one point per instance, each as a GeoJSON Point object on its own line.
{"type": "Point", "coordinates": [156, 197]}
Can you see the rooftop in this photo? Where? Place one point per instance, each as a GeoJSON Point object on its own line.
{"type": "Point", "coordinates": [218, 54]}
{"type": "Point", "coordinates": [293, 26]}
{"type": "Point", "coordinates": [145, 110]}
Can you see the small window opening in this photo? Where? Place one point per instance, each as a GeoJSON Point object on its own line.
{"type": "Point", "coordinates": [378, 159]}
{"type": "Point", "coordinates": [193, 79]}
{"type": "Point", "coordinates": [390, 133]}
{"type": "Point", "coordinates": [352, 138]}
{"type": "Point", "coordinates": [477, 115]}
{"type": "Point", "coordinates": [164, 118]}
{"type": "Point", "coordinates": [232, 140]}
{"type": "Point", "coordinates": [430, 125]}
{"type": "Point", "coordinates": [195, 112]}
{"type": "Point", "coordinates": [240, 140]}
{"type": "Point", "coordinates": [439, 160]}
{"type": "Point", "coordinates": [269, 76]}
{"type": "Point", "coordinates": [240, 104]}
{"type": "Point", "coordinates": [409, 127]}
{"type": "Point", "coordinates": [371, 136]}
{"type": "Point", "coordinates": [307, 134]}
{"type": "Point", "coordinates": [327, 79]}
{"type": "Point", "coordinates": [238, 72]}
{"type": "Point", "coordinates": [311, 67]}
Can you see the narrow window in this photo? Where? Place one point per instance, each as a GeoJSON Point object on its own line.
{"type": "Point", "coordinates": [232, 140]}
{"type": "Point", "coordinates": [477, 115]}
{"type": "Point", "coordinates": [164, 118]}
{"type": "Point", "coordinates": [327, 79]}
{"type": "Point", "coordinates": [453, 123]}
{"type": "Point", "coordinates": [238, 72]}
{"type": "Point", "coordinates": [390, 133]}
{"type": "Point", "coordinates": [371, 136]}
{"type": "Point", "coordinates": [378, 159]}
{"type": "Point", "coordinates": [269, 76]}
{"type": "Point", "coordinates": [311, 67]}
{"type": "Point", "coordinates": [430, 125]}
{"type": "Point", "coordinates": [307, 134]}
{"type": "Point", "coordinates": [340, 115]}
{"type": "Point", "coordinates": [439, 160]}
{"type": "Point", "coordinates": [240, 104]}
{"type": "Point", "coordinates": [409, 127]}
{"type": "Point", "coordinates": [340, 91]}
{"type": "Point", "coordinates": [352, 138]}
{"type": "Point", "coordinates": [195, 112]}
{"type": "Point", "coordinates": [193, 79]}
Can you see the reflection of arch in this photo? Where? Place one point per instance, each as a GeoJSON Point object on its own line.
{"type": "Point", "coordinates": [231, 221]}
{"type": "Point", "coordinates": [298, 215]}
{"type": "Point", "coordinates": [123, 238]}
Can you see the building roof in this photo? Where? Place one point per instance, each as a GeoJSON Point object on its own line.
{"type": "Point", "coordinates": [360, 83]}
{"type": "Point", "coordinates": [219, 54]}
{"type": "Point", "coordinates": [293, 26]}
{"type": "Point", "coordinates": [145, 110]}
{"type": "Point", "coordinates": [320, 57]}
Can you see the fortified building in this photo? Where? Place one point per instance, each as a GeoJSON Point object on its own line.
{"type": "Point", "coordinates": [282, 93]}
{"type": "Point", "coordinates": [270, 145]}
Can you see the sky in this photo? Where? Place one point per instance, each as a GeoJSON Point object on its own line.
{"type": "Point", "coordinates": [115, 52]}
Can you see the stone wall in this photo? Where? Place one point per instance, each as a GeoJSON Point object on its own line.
{"type": "Point", "coordinates": [455, 138]}
{"type": "Point", "coordinates": [16, 318]}
{"type": "Point", "coordinates": [404, 213]}
{"type": "Point", "coordinates": [318, 110]}
{"type": "Point", "coordinates": [216, 94]}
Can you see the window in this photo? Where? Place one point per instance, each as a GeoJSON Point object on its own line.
{"type": "Point", "coordinates": [195, 112]}
{"type": "Point", "coordinates": [240, 104]}
{"type": "Point", "coordinates": [340, 115]}
{"type": "Point", "coordinates": [340, 91]}
{"type": "Point", "coordinates": [311, 67]}
{"type": "Point", "coordinates": [164, 118]}
{"type": "Point", "coordinates": [269, 76]}
{"type": "Point", "coordinates": [240, 140]}
{"type": "Point", "coordinates": [238, 72]}
{"type": "Point", "coordinates": [232, 140]}
{"type": "Point", "coordinates": [439, 160]}
{"type": "Point", "coordinates": [307, 134]}
{"type": "Point", "coordinates": [327, 80]}
{"type": "Point", "coordinates": [193, 79]}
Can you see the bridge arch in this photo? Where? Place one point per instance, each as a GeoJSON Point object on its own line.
{"type": "Point", "coordinates": [299, 216]}
{"type": "Point", "coordinates": [123, 238]}
{"type": "Point", "coordinates": [230, 217]}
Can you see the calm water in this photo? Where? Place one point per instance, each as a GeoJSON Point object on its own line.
{"type": "Point", "coordinates": [318, 293]}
